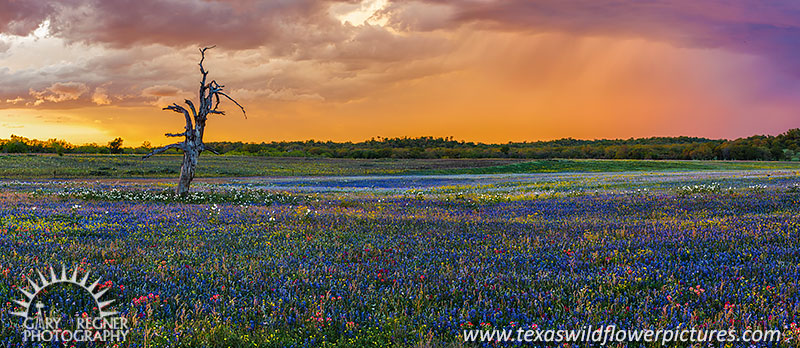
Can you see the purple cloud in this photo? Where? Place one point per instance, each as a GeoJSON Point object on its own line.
{"type": "Point", "coordinates": [764, 28]}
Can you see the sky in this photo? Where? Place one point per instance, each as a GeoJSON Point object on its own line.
{"type": "Point", "coordinates": [349, 70]}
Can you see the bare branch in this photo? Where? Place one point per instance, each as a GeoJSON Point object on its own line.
{"type": "Point", "coordinates": [216, 112]}
{"type": "Point", "coordinates": [202, 69]}
{"type": "Point", "coordinates": [176, 134]}
{"type": "Point", "coordinates": [165, 148]}
{"type": "Point", "coordinates": [209, 149]}
{"type": "Point", "coordinates": [203, 57]}
{"type": "Point", "coordinates": [234, 101]}
{"type": "Point", "coordinates": [191, 106]}
{"type": "Point", "coordinates": [178, 108]}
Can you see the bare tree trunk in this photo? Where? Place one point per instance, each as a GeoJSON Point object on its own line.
{"type": "Point", "coordinates": [187, 172]}
{"type": "Point", "coordinates": [193, 145]}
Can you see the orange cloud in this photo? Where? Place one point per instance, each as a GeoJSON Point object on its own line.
{"type": "Point", "coordinates": [59, 92]}
{"type": "Point", "coordinates": [100, 96]}
{"type": "Point", "coordinates": [160, 91]}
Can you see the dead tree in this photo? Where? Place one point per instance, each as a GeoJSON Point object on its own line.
{"type": "Point", "coordinates": [192, 145]}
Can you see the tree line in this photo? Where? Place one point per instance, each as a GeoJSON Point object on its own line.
{"type": "Point", "coordinates": [785, 147]}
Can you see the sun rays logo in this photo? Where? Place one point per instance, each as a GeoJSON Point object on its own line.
{"type": "Point", "coordinates": [43, 326]}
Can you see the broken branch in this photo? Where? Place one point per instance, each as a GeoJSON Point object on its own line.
{"type": "Point", "coordinates": [234, 101]}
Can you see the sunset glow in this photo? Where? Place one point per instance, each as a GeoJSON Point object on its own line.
{"type": "Point", "coordinates": [491, 71]}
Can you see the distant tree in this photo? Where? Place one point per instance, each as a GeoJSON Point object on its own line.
{"type": "Point", "coordinates": [115, 146]}
{"type": "Point", "coordinates": [16, 147]}
{"type": "Point", "coordinates": [193, 145]}
{"type": "Point", "coordinates": [701, 152]}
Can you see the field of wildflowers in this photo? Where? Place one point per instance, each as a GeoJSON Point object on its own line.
{"type": "Point", "coordinates": [413, 260]}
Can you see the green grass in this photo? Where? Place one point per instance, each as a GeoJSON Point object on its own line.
{"type": "Point", "coordinates": [132, 166]}
{"type": "Point", "coordinates": [559, 165]}
{"type": "Point", "coordinates": [27, 166]}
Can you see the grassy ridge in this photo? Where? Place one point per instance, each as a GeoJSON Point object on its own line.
{"type": "Point", "coordinates": [131, 166]}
